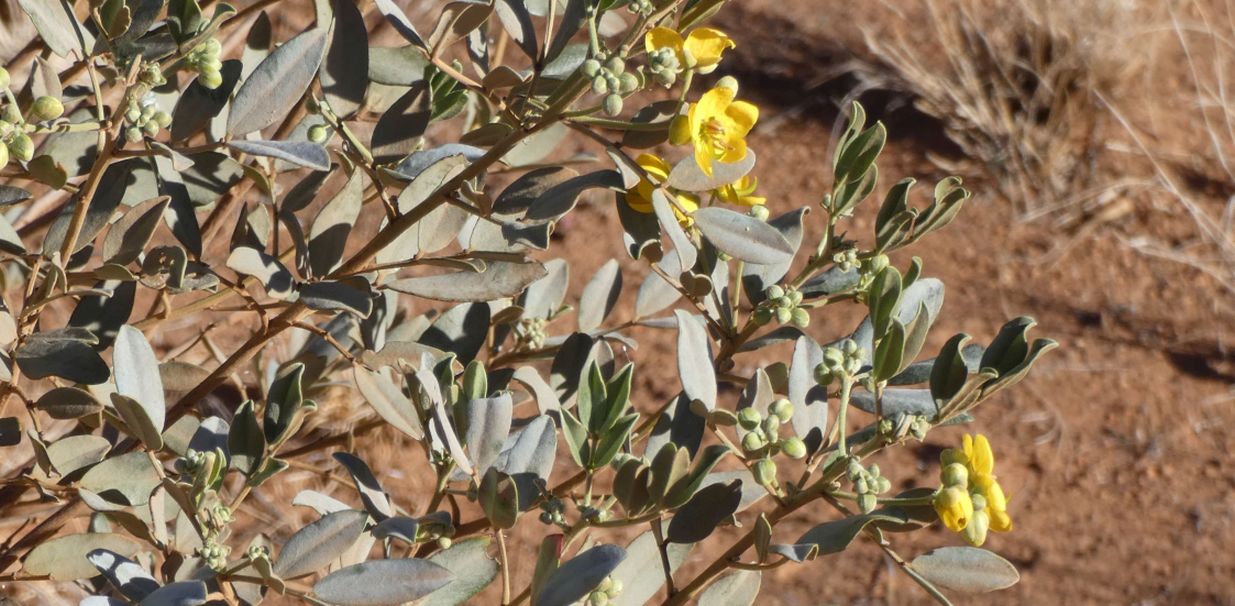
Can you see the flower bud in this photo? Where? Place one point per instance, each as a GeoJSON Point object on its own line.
{"type": "Point", "coordinates": [211, 79]}
{"type": "Point", "coordinates": [882, 485]}
{"type": "Point", "coordinates": [665, 78]}
{"type": "Point", "coordinates": [628, 83]}
{"type": "Point", "coordinates": [784, 315]}
{"type": "Point", "coordinates": [752, 442]}
{"type": "Point", "coordinates": [954, 474]}
{"type": "Point", "coordinates": [867, 502]}
{"type": "Point", "coordinates": [823, 376]}
{"type": "Point", "coordinates": [794, 447]}
{"type": "Point", "coordinates": [133, 115]}
{"type": "Point", "coordinates": [616, 588]}
{"type": "Point", "coordinates": [975, 531]}
{"type": "Point", "coordinates": [47, 108]}
{"type": "Point", "coordinates": [952, 455]}
{"type": "Point", "coordinates": [833, 358]}
{"type": "Point", "coordinates": [728, 82]}
{"type": "Point", "coordinates": [317, 133]}
{"type": "Point", "coordinates": [6, 129]}
{"type": "Point", "coordinates": [150, 128]}
{"type": "Point", "coordinates": [795, 297]}
{"type": "Point", "coordinates": [211, 47]}
{"type": "Point", "coordinates": [800, 317]}
{"type": "Point", "coordinates": [774, 292]}
{"type": "Point", "coordinates": [749, 418]}
{"type": "Point", "coordinates": [782, 408]}
{"type": "Point", "coordinates": [771, 425]}
{"type": "Point", "coordinates": [759, 212]}
{"type": "Point", "coordinates": [954, 507]}
{"type": "Point", "coordinates": [600, 85]}
{"type": "Point", "coordinates": [133, 134]}
{"type": "Point", "coordinates": [979, 501]}
{"type": "Point", "coordinates": [4, 78]}
{"type": "Point", "coordinates": [163, 119]}
{"type": "Point", "coordinates": [764, 471]}
{"type": "Point", "coordinates": [21, 147]}
{"type": "Point", "coordinates": [877, 264]}
{"type": "Point", "coordinates": [615, 64]}
{"type": "Point", "coordinates": [613, 104]}
{"type": "Point", "coordinates": [591, 68]}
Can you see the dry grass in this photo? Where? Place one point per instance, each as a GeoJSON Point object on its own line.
{"type": "Point", "coordinates": [1015, 83]}
{"type": "Point", "coordinates": [1197, 175]}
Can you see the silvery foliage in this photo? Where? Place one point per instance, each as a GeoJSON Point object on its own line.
{"type": "Point", "coordinates": [236, 196]}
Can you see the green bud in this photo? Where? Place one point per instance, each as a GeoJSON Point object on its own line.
{"type": "Point", "coordinates": [133, 134]}
{"type": "Point", "coordinates": [782, 408]}
{"type": "Point", "coordinates": [860, 485]}
{"type": "Point", "coordinates": [605, 584]}
{"type": "Point", "coordinates": [882, 485]}
{"type": "Point", "coordinates": [850, 347]}
{"type": "Point", "coordinates": [749, 418]}
{"type": "Point", "coordinates": [600, 85]}
{"type": "Point", "coordinates": [759, 212]}
{"type": "Point", "coordinates": [598, 598]}
{"type": "Point", "coordinates": [616, 65]}
{"type": "Point", "coordinates": [979, 501]}
{"type": "Point", "coordinates": [211, 79]}
{"type": "Point", "coordinates": [867, 502]}
{"type": "Point", "coordinates": [163, 119]}
{"type": "Point", "coordinates": [616, 588]}
{"type": "Point", "coordinates": [771, 426]}
{"type": "Point", "coordinates": [591, 68]}
{"type": "Point", "coordinates": [665, 78]}
{"type": "Point", "coordinates": [148, 111]}
{"type": "Point", "coordinates": [728, 82]}
{"type": "Point", "coordinates": [795, 297]}
{"type": "Point", "coordinates": [794, 447]}
{"type": "Point", "coordinates": [4, 78]}
{"type": "Point", "coordinates": [979, 524]}
{"type": "Point", "coordinates": [212, 47]}
{"type": "Point", "coordinates": [800, 318]}
{"type": "Point", "coordinates": [823, 376]}
{"type": "Point", "coordinates": [833, 358]}
{"type": "Point", "coordinates": [47, 108]}
{"type": "Point", "coordinates": [752, 442]}
{"type": "Point", "coordinates": [877, 263]}
{"type": "Point", "coordinates": [774, 292]}
{"type": "Point", "coordinates": [613, 104]}
{"type": "Point", "coordinates": [150, 128]}
{"type": "Point", "coordinates": [784, 315]}
{"type": "Point", "coordinates": [21, 147]}
{"type": "Point", "coordinates": [764, 471]}
{"type": "Point", "coordinates": [952, 455]}
{"type": "Point", "coordinates": [628, 83]}
{"type": "Point", "coordinates": [317, 133]}
{"type": "Point", "coordinates": [133, 115]}
{"type": "Point", "coordinates": [444, 542]}
{"type": "Point", "coordinates": [954, 474]}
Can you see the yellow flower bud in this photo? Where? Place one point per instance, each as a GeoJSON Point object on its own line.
{"type": "Point", "coordinates": [954, 474]}
{"type": "Point", "coordinates": [975, 532]}
{"type": "Point", "coordinates": [954, 507]}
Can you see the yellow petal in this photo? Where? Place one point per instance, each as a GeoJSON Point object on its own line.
{"type": "Point", "coordinates": [995, 499]}
{"type": "Point", "coordinates": [679, 130]}
{"type": "Point", "coordinates": [744, 114]}
{"type": "Point", "coordinates": [663, 37]}
{"type": "Point", "coordinates": [736, 151]}
{"type": "Point", "coordinates": [703, 157]}
{"type": "Point", "coordinates": [707, 45]}
{"type": "Point", "coordinates": [654, 166]}
{"type": "Point", "coordinates": [982, 459]}
{"type": "Point", "coordinates": [711, 105]}
{"type": "Point", "coordinates": [1000, 521]}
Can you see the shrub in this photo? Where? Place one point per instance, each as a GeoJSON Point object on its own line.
{"type": "Point", "coordinates": [240, 193]}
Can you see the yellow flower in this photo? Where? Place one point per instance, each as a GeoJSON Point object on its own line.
{"type": "Point", "coordinates": [988, 503]}
{"type": "Point", "coordinates": [954, 507]}
{"type": "Point", "coordinates": [717, 126]}
{"type": "Point", "coordinates": [701, 49]}
{"type": "Point", "coordinates": [640, 196]}
{"type": "Point", "coordinates": [741, 192]}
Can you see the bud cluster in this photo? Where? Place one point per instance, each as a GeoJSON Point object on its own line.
{"type": "Point", "coordinates": [214, 554]}
{"type": "Point", "coordinates": [902, 425]}
{"type": "Point", "coordinates": [664, 66]}
{"type": "Point", "coordinates": [144, 119]}
{"type": "Point", "coordinates": [205, 61]}
{"type": "Point", "coordinates": [13, 139]}
{"type": "Point", "coordinates": [840, 362]}
{"type": "Point", "coordinates": [610, 78]}
{"type": "Point", "coordinates": [868, 484]}
{"type": "Point", "coordinates": [870, 268]}
{"type": "Point", "coordinates": [530, 334]}
{"type": "Point", "coordinates": [604, 593]}
{"type": "Point", "coordinates": [784, 305]}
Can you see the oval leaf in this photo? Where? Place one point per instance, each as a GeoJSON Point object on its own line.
{"type": "Point", "coordinates": [382, 582]}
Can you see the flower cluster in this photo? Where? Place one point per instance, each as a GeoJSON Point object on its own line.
{"type": "Point", "coordinates": [715, 127]}
{"type": "Point", "coordinates": [970, 501]}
